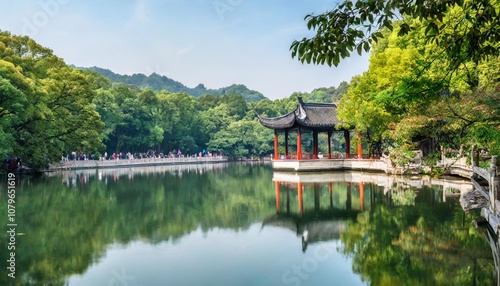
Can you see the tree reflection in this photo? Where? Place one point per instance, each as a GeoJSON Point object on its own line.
{"type": "Point", "coordinates": [426, 244]}
{"type": "Point", "coordinates": [69, 227]}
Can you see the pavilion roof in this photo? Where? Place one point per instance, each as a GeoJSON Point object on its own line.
{"type": "Point", "coordinates": [319, 229]}
{"type": "Point", "coordinates": [309, 115]}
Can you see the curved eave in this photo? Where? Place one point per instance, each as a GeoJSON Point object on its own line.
{"type": "Point", "coordinates": [282, 122]}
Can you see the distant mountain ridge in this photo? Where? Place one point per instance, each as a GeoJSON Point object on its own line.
{"type": "Point", "coordinates": [159, 82]}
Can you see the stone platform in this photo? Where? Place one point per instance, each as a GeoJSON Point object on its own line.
{"type": "Point", "coordinates": [375, 165]}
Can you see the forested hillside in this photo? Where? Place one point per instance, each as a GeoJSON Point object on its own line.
{"type": "Point", "coordinates": [160, 82]}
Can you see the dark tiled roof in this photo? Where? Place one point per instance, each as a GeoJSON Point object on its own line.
{"type": "Point", "coordinates": [318, 115]}
{"type": "Point", "coordinates": [282, 122]}
{"type": "Point", "coordinates": [309, 115]}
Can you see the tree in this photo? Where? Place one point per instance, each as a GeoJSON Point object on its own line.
{"type": "Point", "coordinates": [181, 122]}
{"type": "Point", "coordinates": [45, 106]}
{"type": "Point", "coordinates": [472, 118]}
{"type": "Point", "coordinates": [208, 101]}
{"type": "Point", "coordinates": [242, 138]}
{"type": "Point", "coordinates": [265, 108]}
{"type": "Point", "coordinates": [110, 114]}
{"type": "Point", "coordinates": [470, 34]}
{"type": "Point", "coordinates": [13, 101]}
{"type": "Point", "coordinates": [370, 101]}
{"type": "Point", "coordinates": [236, 104]}
{"type": "Point", "coordinates": [340, 91]}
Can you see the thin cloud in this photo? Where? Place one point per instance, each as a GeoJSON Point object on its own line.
{"type": "Point", "coordinates": [185, 50]}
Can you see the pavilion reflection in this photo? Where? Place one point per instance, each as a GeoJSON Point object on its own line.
{"type": "Point", "coordinates": [317, 207]}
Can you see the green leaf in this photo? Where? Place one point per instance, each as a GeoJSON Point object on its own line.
{"type": "Point", "coordinates": [367, 47]}
{"type": "Point", "coordinates": [308, 57]}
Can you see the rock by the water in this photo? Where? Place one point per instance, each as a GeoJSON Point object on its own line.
{"type": "Point", "coordinates": [472, 201]}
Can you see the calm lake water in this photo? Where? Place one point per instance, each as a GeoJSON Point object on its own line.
{"type": "Point", "coordinates": [241, 224]}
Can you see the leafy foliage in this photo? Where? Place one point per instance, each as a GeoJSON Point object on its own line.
{"type": "Point", "coordinates": [472, 34]}
{"type": "Point", "coordinates": [45, 106]}
{"type": "Point", "coordinates": [408, 95]}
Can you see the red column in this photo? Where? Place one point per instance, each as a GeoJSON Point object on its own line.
{"type": "Point", "coordinates": [347, 144]}
{"type": "Point", "coordinates": [360, 146]}
{"type": "Point", "coordinates": [300, 190]}
{"type": "Point", "coordinates": [361, 196]}
{"type": "Point", "coordinates": [277, 186]}
{"type": "Point", "coordinates": [286, 145]}
{"type": "Point", "coordinates": [299, 145]}
{"type": "Point", "coordinates": [329, 145]}
{"type": "Point", "coordinates": [315, 144]}
{"type": "Point", "coordinates": [276, 152]}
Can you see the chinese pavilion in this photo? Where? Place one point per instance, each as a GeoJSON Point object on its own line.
{"type": "Point", "coordinates": [308, 117]}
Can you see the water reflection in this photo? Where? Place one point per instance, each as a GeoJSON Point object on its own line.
{"type": "Point", "coordinates": [242, 224]}
{"type": "Point", "coordinates": [326, 212]}
{"type": "Point", "coordinates": [72, 178]}
{"type": "Point", "coordinates": [398, 231]}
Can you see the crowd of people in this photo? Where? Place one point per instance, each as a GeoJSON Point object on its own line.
{"type": "Point", "coordinates": [175, 153]}
{"type": "Point", "coordinates": [11, 164]}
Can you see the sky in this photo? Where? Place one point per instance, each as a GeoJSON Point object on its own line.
{"type": "Point", "coordinates": [213, 42]}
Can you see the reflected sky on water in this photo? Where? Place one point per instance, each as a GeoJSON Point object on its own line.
{"type": "Point", "coordinates": [242, 224]}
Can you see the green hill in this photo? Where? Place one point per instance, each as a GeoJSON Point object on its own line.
{"type": "Point", "coordinates": [160, 82]}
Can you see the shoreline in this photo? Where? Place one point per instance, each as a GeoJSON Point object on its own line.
{"type": "Point", "coordinates": [127, 163]}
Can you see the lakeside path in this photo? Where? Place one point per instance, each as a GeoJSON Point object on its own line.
{"type": "Point", "coordinates": [96, 164]}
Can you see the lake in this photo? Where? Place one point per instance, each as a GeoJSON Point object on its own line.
{"type": "Point", "coordinates": [242, 224]}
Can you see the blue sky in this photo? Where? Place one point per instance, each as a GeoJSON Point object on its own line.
{"type": "Point", "coordinates": [214, 42]}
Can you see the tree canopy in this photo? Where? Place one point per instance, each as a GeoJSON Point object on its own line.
{"type": "Point", "coordinates": [468, 29]}
{"type": "Point", "coordinates": [406, 96]}
{"type": "Point", "coordinates": [45, 106]}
